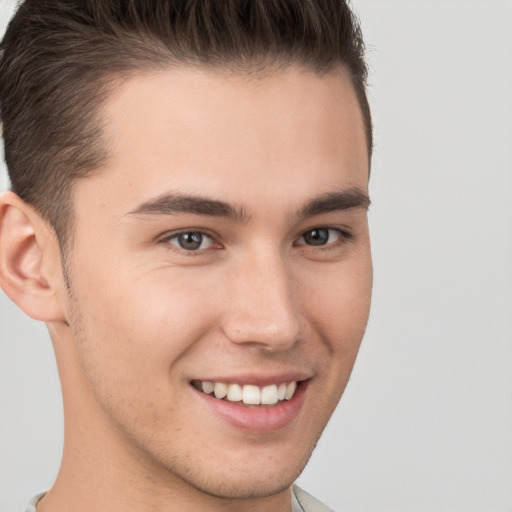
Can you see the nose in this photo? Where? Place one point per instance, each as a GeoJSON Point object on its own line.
{"type": "Point", "coordinates": [262, 307]}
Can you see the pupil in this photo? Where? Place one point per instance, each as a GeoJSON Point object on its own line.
{"type": "Point", "coordinates": [191, 241]}
{"type": "Point", "coordinates": [317, 236]}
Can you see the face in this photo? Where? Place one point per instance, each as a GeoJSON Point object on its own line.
{"type": "Point", "coordinates": [223, 249]}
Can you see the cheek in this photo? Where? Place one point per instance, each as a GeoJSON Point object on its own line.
{"type": "Point", "coordinates": [144, 324]}
{"type": "Point", "coordinates": [338, 304]}
{"type": "Point", "coordinates": [129, 343]}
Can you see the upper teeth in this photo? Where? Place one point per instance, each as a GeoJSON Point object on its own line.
{"type": "Point", "coordinates": [248, 393]}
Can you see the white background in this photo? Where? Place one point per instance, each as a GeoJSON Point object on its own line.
{"type": "Point", "coordinates": [426, 422]}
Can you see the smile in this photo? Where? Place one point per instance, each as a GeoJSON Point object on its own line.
{"type": "Point", "coordinates": [248, 394]}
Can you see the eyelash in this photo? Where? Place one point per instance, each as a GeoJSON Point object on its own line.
{"type": "Point", "coordinates": [344, 237]}
{"type": "Point", "coordinates": [168, 239]}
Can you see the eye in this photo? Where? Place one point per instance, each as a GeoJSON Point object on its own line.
{"type": "Point", "coordinates": [320, 236]}
{"type": "Point", "coordinates": [191, 240]}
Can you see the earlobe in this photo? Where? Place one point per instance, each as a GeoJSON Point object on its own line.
{"type": "Point", "coordinates": [30, 270]}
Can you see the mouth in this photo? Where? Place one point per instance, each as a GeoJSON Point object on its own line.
{"type": "Point", "coordinates": [251, 406]}
{"type": "Point", "coordinates": [248, 395]}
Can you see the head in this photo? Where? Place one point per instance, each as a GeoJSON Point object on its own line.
{"type": "Point", "coordinates": [202, 167]}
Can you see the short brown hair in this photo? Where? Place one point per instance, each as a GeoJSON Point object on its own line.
{"type": "Point", "coordinates": [60, 56]}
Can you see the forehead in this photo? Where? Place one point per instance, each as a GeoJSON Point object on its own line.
{"type": "Point", "coordinates": [196, 130]}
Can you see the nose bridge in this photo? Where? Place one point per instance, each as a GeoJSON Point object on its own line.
{"type": "Point", "coordinates": [263, 308]}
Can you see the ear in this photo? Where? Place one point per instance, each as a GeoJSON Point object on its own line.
{"type": "Point", "coordinates": [30, 266]}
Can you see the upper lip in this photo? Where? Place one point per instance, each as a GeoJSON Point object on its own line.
{"type": "Point", "coordinates": [258, 379]}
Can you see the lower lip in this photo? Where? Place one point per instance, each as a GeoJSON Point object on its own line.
{"type": "Point", "coordinates": [257, 420]}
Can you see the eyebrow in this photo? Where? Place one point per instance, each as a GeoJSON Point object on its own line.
{"type": "Point", "coordinates": [336, 201]}
{"type": "Point", "coordinates": [174, 203]}
{"type": "Point", "coordinates": [171, 204]}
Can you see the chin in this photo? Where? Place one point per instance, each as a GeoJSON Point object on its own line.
{"type": "Point", "coordinates": [250, 481]}
{"type": "Point", "coordinates": [245, 488]}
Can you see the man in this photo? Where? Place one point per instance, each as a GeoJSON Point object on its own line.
{"type": "Point", "coordinates": [188, 215]}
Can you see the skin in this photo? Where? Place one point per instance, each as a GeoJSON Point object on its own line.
{"type": "Point", "coordinates": [144, 316]}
